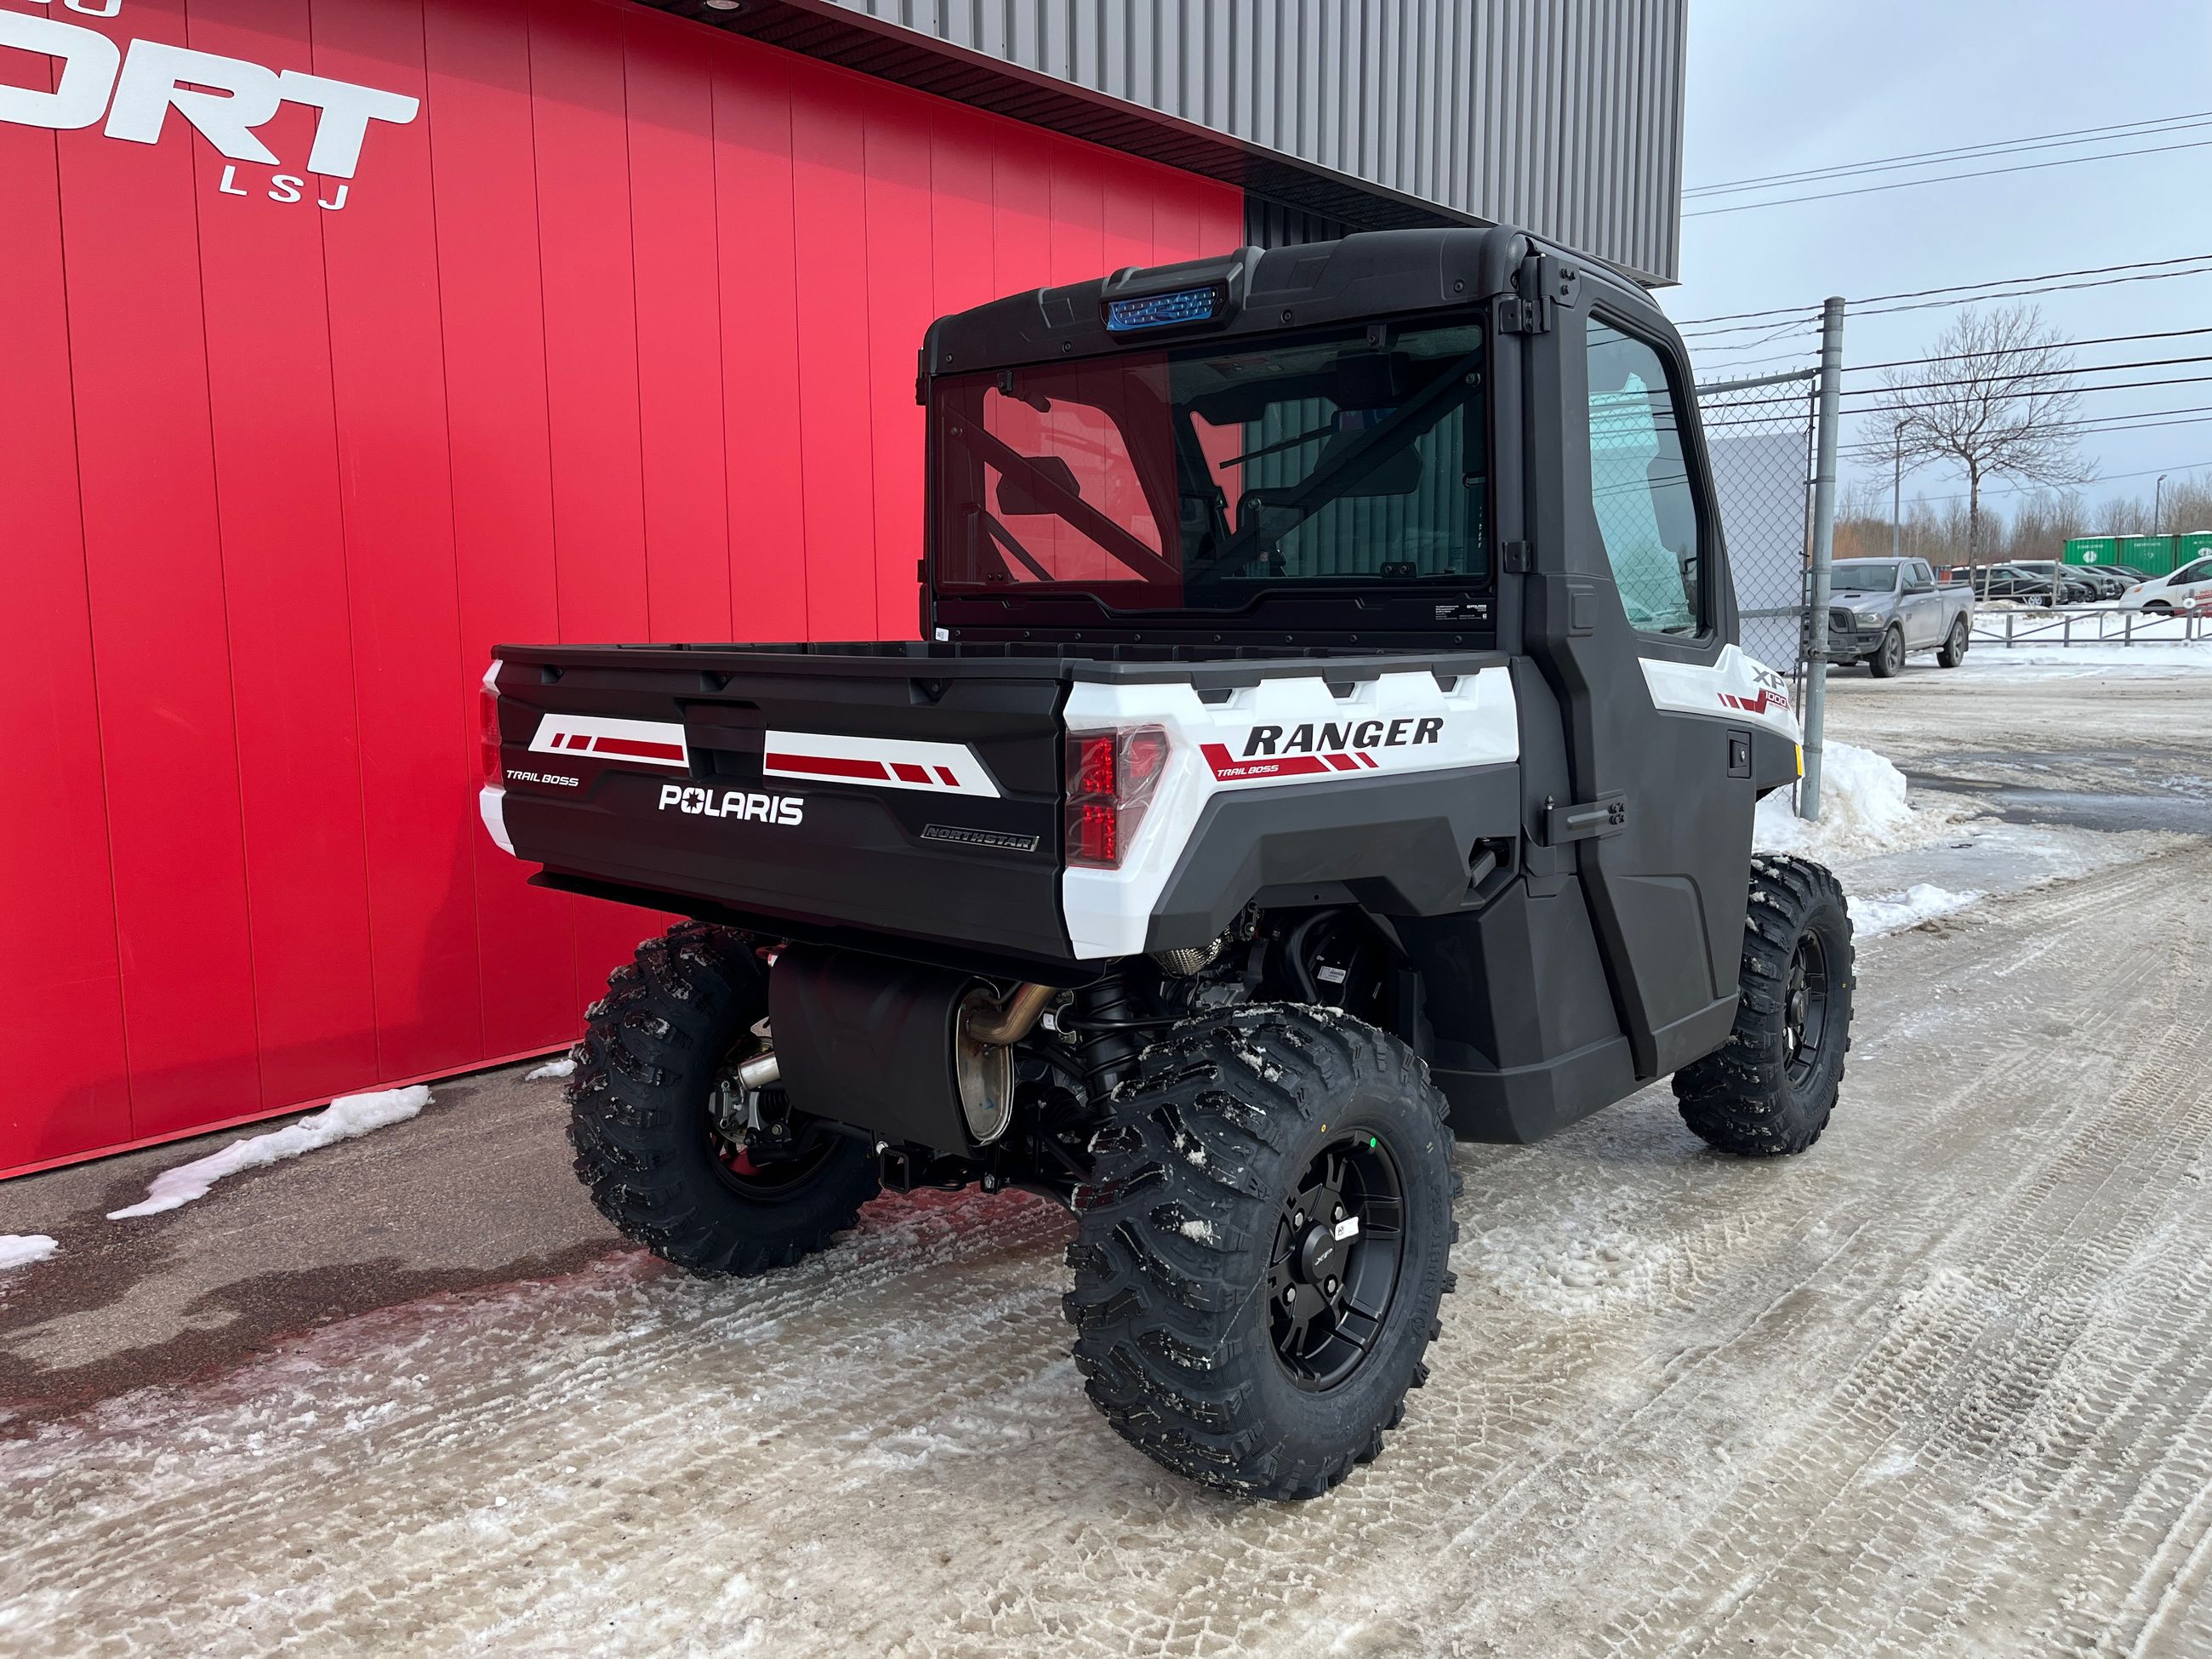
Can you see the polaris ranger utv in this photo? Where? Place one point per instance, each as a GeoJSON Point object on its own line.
{"type": "Point", "coordinates": [1328, 738]}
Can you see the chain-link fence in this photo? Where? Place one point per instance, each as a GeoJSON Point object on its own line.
{"type": "Point", "coordinates": [1759, 434]}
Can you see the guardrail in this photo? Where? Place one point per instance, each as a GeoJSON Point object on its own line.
{"type": "Point", "coordinates": [2090, 625]}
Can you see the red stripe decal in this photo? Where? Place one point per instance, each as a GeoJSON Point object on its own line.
{"type": "Point", "coordinates": [1343, 763]}
{"type": "Point", "coordinates": [951, 781]}
{"type": "Point", "coordinates": [1228, 770]}
{"type": "Point", "coordinates": [633, 748]}
{"type": "Point", "coordinates": [828, 766]}
{"type": "Point", "coordinates": [1366, 759]}
{"type": "Point", "coordinates": [910, 772]}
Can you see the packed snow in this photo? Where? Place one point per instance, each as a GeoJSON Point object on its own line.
{"type": "Point", "coordinates": [564, 1067]}
{"type": "Point", "coordinates": [1993, 659]}
{"type": "Point", "coordinates": [1890, 913]}
{"type": "Point", "coordinates": [342, 1120]}
{"type": "Point", "coordinates": [20, 1250]}
{"type": "Point", "coordinates": [1863, 811]}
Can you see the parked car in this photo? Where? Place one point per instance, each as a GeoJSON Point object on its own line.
{"type": "Point", "coordinates": [1881, 608]}
{"type": "Point", "coordinates": [2101, 583]}
{"type": "Point", "coordinates": [2011, 581]}
{"type": "Point", "coordinates": [2189, 588]}
{"type": "Point", "coordinates": [2127, 572]}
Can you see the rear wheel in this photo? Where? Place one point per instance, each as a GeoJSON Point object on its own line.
{"type": "Point", "coordinates": [674, 1151]}
{"type": "Point", "coordinates": [2160, 606]}
{"type": "Point", "coordinates": [1261, 1251]}
{"type": "Point", "coordinates": [1954, 646]}
{"type": "Point", "coordinates": [1771, 1088]}
{"type": "Point", "coordinates": [1889, 656]}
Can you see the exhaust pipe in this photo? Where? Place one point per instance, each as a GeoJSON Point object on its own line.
{"type": "Point", "coordinates": [1011, 1021]}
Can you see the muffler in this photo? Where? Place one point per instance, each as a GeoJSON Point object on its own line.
{"type": "Point", "coordinates": [911, 1054]}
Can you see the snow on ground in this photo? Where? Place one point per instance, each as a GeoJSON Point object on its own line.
{"type": "Point", "coordinates": [564, 1067]}
{"type": "Point", "coordinates": [1943, 1385]}
{"type": "Point", "coordinates": [1872, 917]}
{"type": "Point", "coordinates": [342, 1120]}
{"type": "Point", "coordinates": [20, 1250]}
{"type": "Point", "coordinates": [1863, 811]}
{"type": "Point", "coordinates": [1991, 659]}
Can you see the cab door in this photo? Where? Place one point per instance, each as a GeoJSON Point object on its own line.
{"type": "Point", "coordinates": [1630, 618]}
{"type": "Point", "coordinates": [1923, 605]}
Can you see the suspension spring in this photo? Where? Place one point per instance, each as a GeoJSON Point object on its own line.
{"type": "Point", "coordinates": [1106, 1055]}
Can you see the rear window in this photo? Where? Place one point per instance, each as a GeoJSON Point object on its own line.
{"type": "Point", "coordinates": [1198, 476]}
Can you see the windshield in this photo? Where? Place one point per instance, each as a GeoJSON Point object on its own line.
{"type": "Point", "coordinates": [1866, 575]}
{"type": "Point", "coordinates": [1195, 477]}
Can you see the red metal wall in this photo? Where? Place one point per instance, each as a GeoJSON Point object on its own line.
{"type": "Point", "coordinates": [615, 340]}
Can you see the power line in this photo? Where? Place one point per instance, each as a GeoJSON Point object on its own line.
{"type": "Point", "coordinates": [1998, 351]}
{"type": "Point", "coordinates": [1952, 402]}
{"type": "Point", "coordinates": [2026, 293]}
{"type": "Point", "coordinates": [1950, 178]}
{"type": "Point", "coordinates": [2169, 469]}
{"type": "Point", "coordinates": [1955, 287]}
{"type": "Point", "coordinates": [2146, 128]}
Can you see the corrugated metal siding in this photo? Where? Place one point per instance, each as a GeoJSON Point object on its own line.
{"type": "Point", "coordinates": [1561, 116]}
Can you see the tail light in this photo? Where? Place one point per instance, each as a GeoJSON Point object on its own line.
{"type": "Point", "coordinates": [1111, 776]}
{"type": "Point", "coordinates": [489, 766]}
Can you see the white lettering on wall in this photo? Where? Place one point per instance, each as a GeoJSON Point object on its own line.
{"type": "Point", "coordinates": [88, 61]}
{"type": "Point", "coordinates": [152, 78]}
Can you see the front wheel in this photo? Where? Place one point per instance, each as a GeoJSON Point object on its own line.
{"type": "Point", "coordinates": [1889, 656]}
{"type": "Point", "coordinates": [1771, 1088]}
{"type": "Point", "coordinates": [1261, 1251]}
{"type": "Point", "coordinates": [1954, 646]}
{"type": "Point", "coordinates": [672, 1149]}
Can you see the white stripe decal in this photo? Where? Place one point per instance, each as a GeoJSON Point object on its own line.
{"type": "Point", "coordinates": [638, 742]}
{"type": "Point", "coordinates": [943, 769]}
{"type": "Point", "coordinates": [1287, 730]}
{"type": "Point", "coordinates": [1736, 687]}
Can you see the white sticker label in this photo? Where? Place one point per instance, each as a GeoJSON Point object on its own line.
{"type": "Point", "coordinates": [1348, 1228]}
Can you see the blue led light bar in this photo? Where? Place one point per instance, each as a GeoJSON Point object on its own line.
{"type": "Point", "coordinates": [1186, 305]}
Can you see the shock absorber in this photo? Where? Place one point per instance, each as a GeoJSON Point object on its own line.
{"type": "Point", "coordinates": [1109, 1023]}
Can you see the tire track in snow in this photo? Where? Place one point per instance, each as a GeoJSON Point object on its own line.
{"type": "Point", "coordinates": [919, 1471]}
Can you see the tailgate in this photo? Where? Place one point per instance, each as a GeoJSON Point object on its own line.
{"type": "Point", "coordinates": [863, 790]}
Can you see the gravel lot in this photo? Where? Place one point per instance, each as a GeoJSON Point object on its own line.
{"type": "Point", "coordinates": [1943, 1385]}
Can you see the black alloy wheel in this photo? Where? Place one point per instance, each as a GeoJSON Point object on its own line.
{"type": "Point", "coordinates": [1333, 1273]}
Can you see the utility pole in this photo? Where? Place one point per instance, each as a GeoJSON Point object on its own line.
{"type": "Point", "coordinates": [2158, 495]}
{"type": "Point", "coordinates": [1824, 550]}
{"type": "Point", "coordinates": [1896, 489]}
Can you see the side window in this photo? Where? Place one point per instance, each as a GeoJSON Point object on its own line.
{"type": "Point", "coordinates": [1921, 574]}
{"type": "Point", "coordinates": [1640, 484]}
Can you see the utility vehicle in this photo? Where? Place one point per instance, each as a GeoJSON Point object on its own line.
{"type": "Point", "coordinates": [1327, 737]}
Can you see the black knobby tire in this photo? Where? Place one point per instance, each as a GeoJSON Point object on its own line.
{"type": "Point", "coordinates": [1954, 646]}
{"type": "Point", "coordinates": [1202, 1338]}
{"type": "Point", "coordinates": [1771, 1088]}
{"type": "Point", "coordinates": [654, 1050]}
{"type": "Point", "coordinates": [1888, 657]}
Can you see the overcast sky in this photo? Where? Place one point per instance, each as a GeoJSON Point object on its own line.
{"type": "Point", "coordinates": [1776, 87]}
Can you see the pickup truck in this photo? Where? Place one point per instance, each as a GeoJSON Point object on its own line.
{"type": "Point", "coordinates": [1327, 736]}
{"type": "Point", "coordinates": [1881, 610]}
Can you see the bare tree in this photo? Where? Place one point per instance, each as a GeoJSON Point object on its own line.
{"type": "Point", "coordinates": [1996, 400]}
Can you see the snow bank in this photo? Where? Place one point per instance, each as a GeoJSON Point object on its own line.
{"type": "Point", "coordinates": [1890, 913]}
{"type": "Point", "coordinates": [342, 1120]}
{"type": "Point", "coordinates": [1863, 811]}
{"type": "Point", "coordinates": [20, 1250]}
{"type": "Point", "coordinates": [563, 1066]}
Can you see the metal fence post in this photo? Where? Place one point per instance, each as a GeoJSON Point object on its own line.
{"type": "Point", "coordinates": [1824, 549]}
